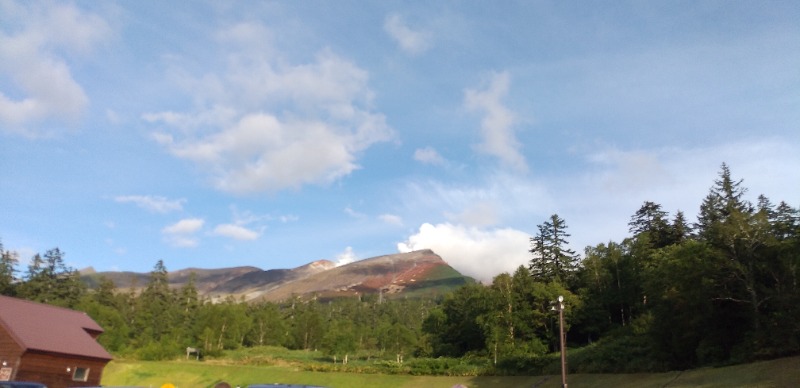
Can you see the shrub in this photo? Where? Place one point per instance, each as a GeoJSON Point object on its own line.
{"type": "Point", "coordinates": [624, 352]}
{"type": "Point", "coordinates": [157, 351]}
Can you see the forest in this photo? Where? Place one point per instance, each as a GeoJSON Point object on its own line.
{"type": "Point", "coordinates": [673, 295]}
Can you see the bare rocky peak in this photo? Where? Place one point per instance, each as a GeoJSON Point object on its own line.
{"type": "Point", "coordinates": [387, 274]}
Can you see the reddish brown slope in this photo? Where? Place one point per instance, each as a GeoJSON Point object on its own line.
{"type": "Point", "coordinates": [387, 274]}
{"type": "Point", "coordinates": [414, 273]}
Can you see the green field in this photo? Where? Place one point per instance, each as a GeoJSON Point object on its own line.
{"type": "Point", "coordinates": [191, 374]}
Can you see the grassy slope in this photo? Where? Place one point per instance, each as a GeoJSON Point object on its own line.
{"type": "Point", "coordinates": [188, 374]}
{"type": "Point", "coordinates": [439, 281]}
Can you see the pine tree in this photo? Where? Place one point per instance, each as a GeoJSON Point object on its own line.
{"type": "Point", "coordinates": [50, 280]}
{"type": "Point", "coordinates": [738, 234]}
{"type": "Point", "coordinates": [725, 199]}
{"type": "Point", "coordinates": [650, 221]}
{"type": "Point", "coordinates": [680, 229]}
{"type": "Point", "coordinates": [156, 305]}
{"type": "Point", "coordinates": [8, 263]}
{"type": "Point", "coordinates": [785, 221]}
{"type": "Point", "coordinates": [552, 260]}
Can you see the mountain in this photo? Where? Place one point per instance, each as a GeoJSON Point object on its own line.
{"type": "Point", "coordinates": [418, 273]}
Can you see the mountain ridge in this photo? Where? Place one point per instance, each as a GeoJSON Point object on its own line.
{"type": "Point", "coordinates": [416, 273]}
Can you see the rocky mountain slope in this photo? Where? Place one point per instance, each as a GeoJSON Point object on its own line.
{"type": "Point", "coordinates": [409, 274]}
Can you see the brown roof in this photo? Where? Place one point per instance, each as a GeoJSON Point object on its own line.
{"type": "Point", "coordinates": [37, 326]}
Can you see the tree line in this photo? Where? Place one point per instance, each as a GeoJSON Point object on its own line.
{"type": "Point", "coordinates": [156, 321]}
{"type": "Point", "coordinates": [672, 295]}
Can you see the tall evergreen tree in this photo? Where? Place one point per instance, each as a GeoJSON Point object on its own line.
{"type": "Point", "coordinates": [50, 280]}
{"type": "Point", "coordinates": [650, 222]}
{"type": "Point", "coordinates": [8, 264]}
{"type": "Point", "coordinates": [552, 259]}
{"type": "Point", "coordinates": [785, 221]}
{"type": "Point", "coordinates": [740, 236]}
{"type": "Point", "coordinates": [105, 294]}
{"type": "Point", "coordinates": [104, 305]}
{"type": "Point", "coordinates": [188, 303]}
{"type": "Point", "coordinates": [649, 218]}
{"type": "Point", "coordinates": [155, 305]}
{"type": "Point", "coordinates": [725, 198]}
{"type": "Point", "coordinates": [680, 230]}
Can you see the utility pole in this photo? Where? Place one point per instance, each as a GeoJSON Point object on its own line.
{"type": "Point", "coordinates": [560, 307]}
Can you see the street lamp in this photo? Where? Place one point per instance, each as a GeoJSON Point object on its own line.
{"type": "Point", "coordinates": [560, 307]}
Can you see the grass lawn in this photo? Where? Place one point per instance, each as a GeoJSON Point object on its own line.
{"type": "Point", "coordinates": [192, 374]}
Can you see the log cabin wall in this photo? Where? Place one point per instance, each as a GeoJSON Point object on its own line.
{"type": "Point", "coordinates": [59, 371]}
{"type": "Point", "coordinates": [10, 352]}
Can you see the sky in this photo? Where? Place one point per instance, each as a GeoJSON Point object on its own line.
{"type": "Point", "coordinates": [275, 133]}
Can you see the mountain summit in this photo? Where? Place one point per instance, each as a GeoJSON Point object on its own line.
{"type": "Point", "coordinates": [412, 274]}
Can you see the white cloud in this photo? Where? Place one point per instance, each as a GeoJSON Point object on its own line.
{"type": "Point", "coordinates": [246, 217]}
{"type": "Point", "coordinates": [261, 153]}
{"type": "Point", "coordinates": [391, 219]}
{"type": "Point", "coordinates": [352, 213]}
{"type": "Point", "coordinates": [411, 41]}
{"type": "Point", "coordinates": [428, 155]}
{"type": "Point", "coordinates": [185, 226]}
{"type": "Point", "coordinates": [181, 241]}
{"type": "Point", "coordinates": [493, 198]}
{"type": "Point", "coordinates": [182, 233]}
{"type": "Point", "coordinates": [153, 203]}
{"type": "Point", "coordinates": [288, 218]}
{"type": "Point", "coordinates": [265, 125]}
{"type": "Point", "coordinates": [236, 232]}
{"type": "Point", "coordinates": [346, 257]}
{"type": "Point", "coordinates": [217, 116]}
{"type": "Point", "coordinates": [479, 253]}
{"type": "Point", "coordinates": [33, 57]}
{"type": "Point", "coordinates": [497, 125]}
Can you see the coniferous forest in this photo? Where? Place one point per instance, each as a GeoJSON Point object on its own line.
{"type": "Point", "coordinates": [674, 294]}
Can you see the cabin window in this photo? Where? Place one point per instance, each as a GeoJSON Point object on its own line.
{"type": "Point", "coordinates": [81, 374]}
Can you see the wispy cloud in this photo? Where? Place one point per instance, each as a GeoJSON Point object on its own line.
{"type": "Point", "coordinates": [353, 213]}
{"type": "Point", "coordinates": [410, 40]}
{"type": "Point", "coordinates": [153, 203]}
{"type": "Point", "coordinates": [182, 233]}
{"type": "Point", "coordinates": [185, 226]}
{"type": "Point", "coordinates": [391, 219]}
{"type": "Point", "coordinates": [497, 126]}
{"type": "Point", "coordinates": [491, 198]}
{"type": "Point", "coordinates": [288, 218]}
{"type": "Point", "coordinates": [236, 232]}
{"type": "Point", "coordinates": [429, 155]}
{"type": "Point", "coordinates": [34, 57]}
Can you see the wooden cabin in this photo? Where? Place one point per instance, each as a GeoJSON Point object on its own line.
{"type": "Point", "coordinates": [48, 344]}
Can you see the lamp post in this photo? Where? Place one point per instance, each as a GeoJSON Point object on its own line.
{"type": "Point", "coordinates": [560, 307]}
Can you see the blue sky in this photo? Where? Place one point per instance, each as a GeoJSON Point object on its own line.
{"type": "Point", "coordinates": [273, 134]}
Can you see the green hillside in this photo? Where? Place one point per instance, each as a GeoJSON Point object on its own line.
{"type": "Point", "coordinates": [438, 282]}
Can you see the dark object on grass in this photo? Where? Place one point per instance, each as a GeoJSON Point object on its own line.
{"type": "Point", "coordinates": [21, 384]}
{"type": "Point", "coordinates": [283, 386]}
